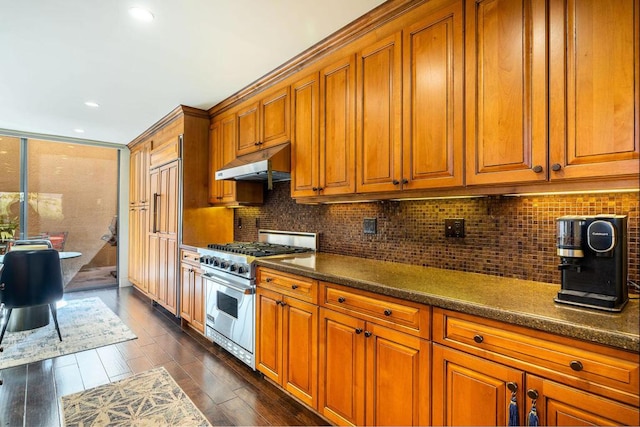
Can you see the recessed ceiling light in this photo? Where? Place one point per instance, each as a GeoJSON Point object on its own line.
{"type": "Point", "coordinates": [79, 130]}
{"type": "Point", "coordinates": [141, 14]}
{"type": "Point", "coordinates": [92, 104]}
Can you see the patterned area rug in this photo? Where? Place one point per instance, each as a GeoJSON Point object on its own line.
{"type": "Point", "coordinates": [151, 398]}
{"type": "Point", "coordinates": [84, 324]}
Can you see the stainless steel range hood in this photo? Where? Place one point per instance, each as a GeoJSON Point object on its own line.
{"type": "Point", "coordinates": [271, 164]}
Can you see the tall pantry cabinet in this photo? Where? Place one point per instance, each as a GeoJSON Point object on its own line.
{"type": "Point", "coordinates": [173, 174]}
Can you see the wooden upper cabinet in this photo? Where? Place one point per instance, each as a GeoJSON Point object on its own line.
{"type": "Point", "coordinates": [323, 131]}
{"type": "Point", "coordinates": [594, 89]}
{"type": "Point", "coordinates": [506, 78]}
{"type": "Point", "coordinates": [378, 120]}
{"type": "Point", "coordinates": [139, 174]}
{"type": "Point", "coordinates": [263, 123]}
{"type": "Point", "coordinates": [433, 100]}
{"type": "Point", "coordinates": [337, 167]}
{"type": "Point", "coordinates": [215, 142]}
{"type": "Point", "coordinates": [304, 137]}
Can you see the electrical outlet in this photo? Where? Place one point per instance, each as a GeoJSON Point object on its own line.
{"type": "Point", "coordinates": [454, 227]}
{"type": "Point", "coordinates": [370, 226]}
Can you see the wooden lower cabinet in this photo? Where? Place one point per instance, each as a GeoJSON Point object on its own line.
{"type": "Point", "coordinates": [287, 343]}
{"type": "Point", "coordinates": [370, 374]}
{"type": "Point", "coordinates": [468, 390]}
{"type": "Point", "coordinates": [561, 405]}
{"type": "Point", "coordinates": [163, 254]}
{"type": "Point", "coordinates": [192, 297]}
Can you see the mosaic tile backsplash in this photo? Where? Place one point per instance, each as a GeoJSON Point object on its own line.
{"type": "Point", "coordinates": [504, 236]}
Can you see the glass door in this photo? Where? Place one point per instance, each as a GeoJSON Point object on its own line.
{"type": "Point", "coordinates": [71, 199]}
{"type": "Point", "coordinates": [10, 206]}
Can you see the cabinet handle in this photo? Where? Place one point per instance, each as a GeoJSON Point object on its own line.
{"type": "Point", "coordinates": [341, 299]}
{"type": "Point", "coordinates": [294, 286]}
{"type": "Point", "coordinates": [2, 286]}
{"type": "Point", "coordinates": [478, 338]}
{"type": "Point", "coordinates": [537, 169]}
{"type": "Point", "coordinates": [156, 206]}
{"type": "Point", "coordinates": [278, 302]}
{"type": "Point", "coordinates": [576, 365]}
{"type": "Point", "coordinates": [532, 394]}
{"type": "Point", "coordinates": [282, 303]}
{"type": "Point", "coordinates": [256, 143]}
{"type": "Point", "coordinates": [358, 331]}
{"type": "Point", "coordinates": [405, 181]}
{"type": "Point", "coordinates": [314, 188]}
{"type": "Point", "coordinates": [367, 334]}
{"type": "Point", "coordinates": [513, 387]}
{"type": "Point", "coordinates": [395, 182]}
{"type": "Point", "coordinates": [556, 167]}
{"type": "Point", "coordinates": [387, 312]}
{"type": "Point", "coordinates": [268, 279]}
{"type": "Point", "coordinates": [320, 188]}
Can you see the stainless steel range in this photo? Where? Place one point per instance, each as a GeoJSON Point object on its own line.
{"type": "Point", "coordinates": [230, 283]}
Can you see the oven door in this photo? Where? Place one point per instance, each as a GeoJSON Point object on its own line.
{"type": "Point", "coordinates": [230, 308]}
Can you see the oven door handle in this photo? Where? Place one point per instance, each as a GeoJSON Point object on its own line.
{"type": "Point", "coordinates": [246, 291]}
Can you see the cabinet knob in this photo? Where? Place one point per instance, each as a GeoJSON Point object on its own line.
{"type": "Point", "coordinates": [314, 188]}
{"type": "Point", "coordinates": [532, 394]}
{"type": "Point", "coordinates": [2, 286]}
{"type": "Point", "coordinates": [268, 279]}
{"type": "Point", "coordinates": [478, 338]}
{"type": "Point", "coordinates": [320, 188]}
{"type": "Point", "coordinates": [294, 286]}
{"type": "Point", "coordinates": [395, 182]}
{"type": "Point", "coordinates": [341, 299]}
{"type": "Point", "coordinates": [256, 143]}
{"type": "Point", "coordinates": [387, 312]}
{"type": "Point", "coordinates": [513, 387]}
{"type": "Point", "coordinates": [537, 169]}
{"type": "Point", "coordinates": [367, 334]}
{"type": "Point", "coordinates": [556, 167]}
{"type": "Point", "coordinates": [405, 181]}
{"type": "Point", "coordinates": [282, 303]}
{"type": "Point", "coordinates": [358, 331]}
{"type": "Point", "coordinates": [576, 365]}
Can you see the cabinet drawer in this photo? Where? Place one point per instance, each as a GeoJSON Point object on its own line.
{"type": "Point", "coordinates": [190, 257]}
{"type": "Point", "coordinates": [401, 315]}
{"type": "Point", "coordinates": [302, 288]}
{"type": "Point", "coordinates": [550, 354]}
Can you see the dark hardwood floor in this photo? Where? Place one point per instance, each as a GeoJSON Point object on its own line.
{"type": "Point", "coordinates": [226, 391]}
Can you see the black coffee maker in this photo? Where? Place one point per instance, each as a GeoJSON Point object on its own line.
{"type": "Point", "coordinates": [593, 254]}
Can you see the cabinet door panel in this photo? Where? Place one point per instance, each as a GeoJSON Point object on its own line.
{"type": "Point", "coordinates": [433, 76]}
{"type": "Point", "coordinates": [506, 90]}
{"type": "Point", "coordinates": [186, 292]}
{"type": "Point", "coordinates": [594, 87]}
{"type": "Point", "coordinates": [304, 137]}
{"type": "Point", "coordinates": [171, 298]}
{"type": "Point", "coordinates": [269, 334]}
{"type": "Point", "coordinates": [153, 272]}
{"type": "Point", "coordinates": [275, 118]}
{"type": "Point", "coordinates": [342, 367]}
{"type": "Point", "coordinates": [560, 405]}
{"type": "Point", "coordinates": [379, 116]}
{"type": "Point", "coordinates": [337, 127]}
{"type": "Point", "coordinates": [215, 162]}
{"type": "Point", "coordinates": [300, 350]}
{"type": "Point", "coordinates": [199, 300]}
{"type": "Point", "coordinates": [398, 378]}
{"type": "Point", "coordinates": [227, 152]}
{"type": "Point", "coordinates": [248, 132]}
{"type": "Point", "coordinates": [468, 390]}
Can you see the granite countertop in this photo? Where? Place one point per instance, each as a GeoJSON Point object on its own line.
{"type": "Point", "coordinates": [520, 302]}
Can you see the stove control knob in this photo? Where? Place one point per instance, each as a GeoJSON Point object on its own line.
{"type": "Point", "coordinates": [216, 262]}
{"type": "Point", "coordinates": [242, 269]}
{"type": "Point", "coordinates": [233, 267]}
{"type": "Point", "coordinates": [224, 264]}
{"type": "Point", "coordinates": [203, 259]}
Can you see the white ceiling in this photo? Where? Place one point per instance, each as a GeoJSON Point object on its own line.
{"type": "Point", "coordinates": [57, 54]}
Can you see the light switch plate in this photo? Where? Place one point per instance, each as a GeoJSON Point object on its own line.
{"type": "Point", "coordinates": [454, 227]}
{"type": "Point", "coordinates": [370, 226]}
